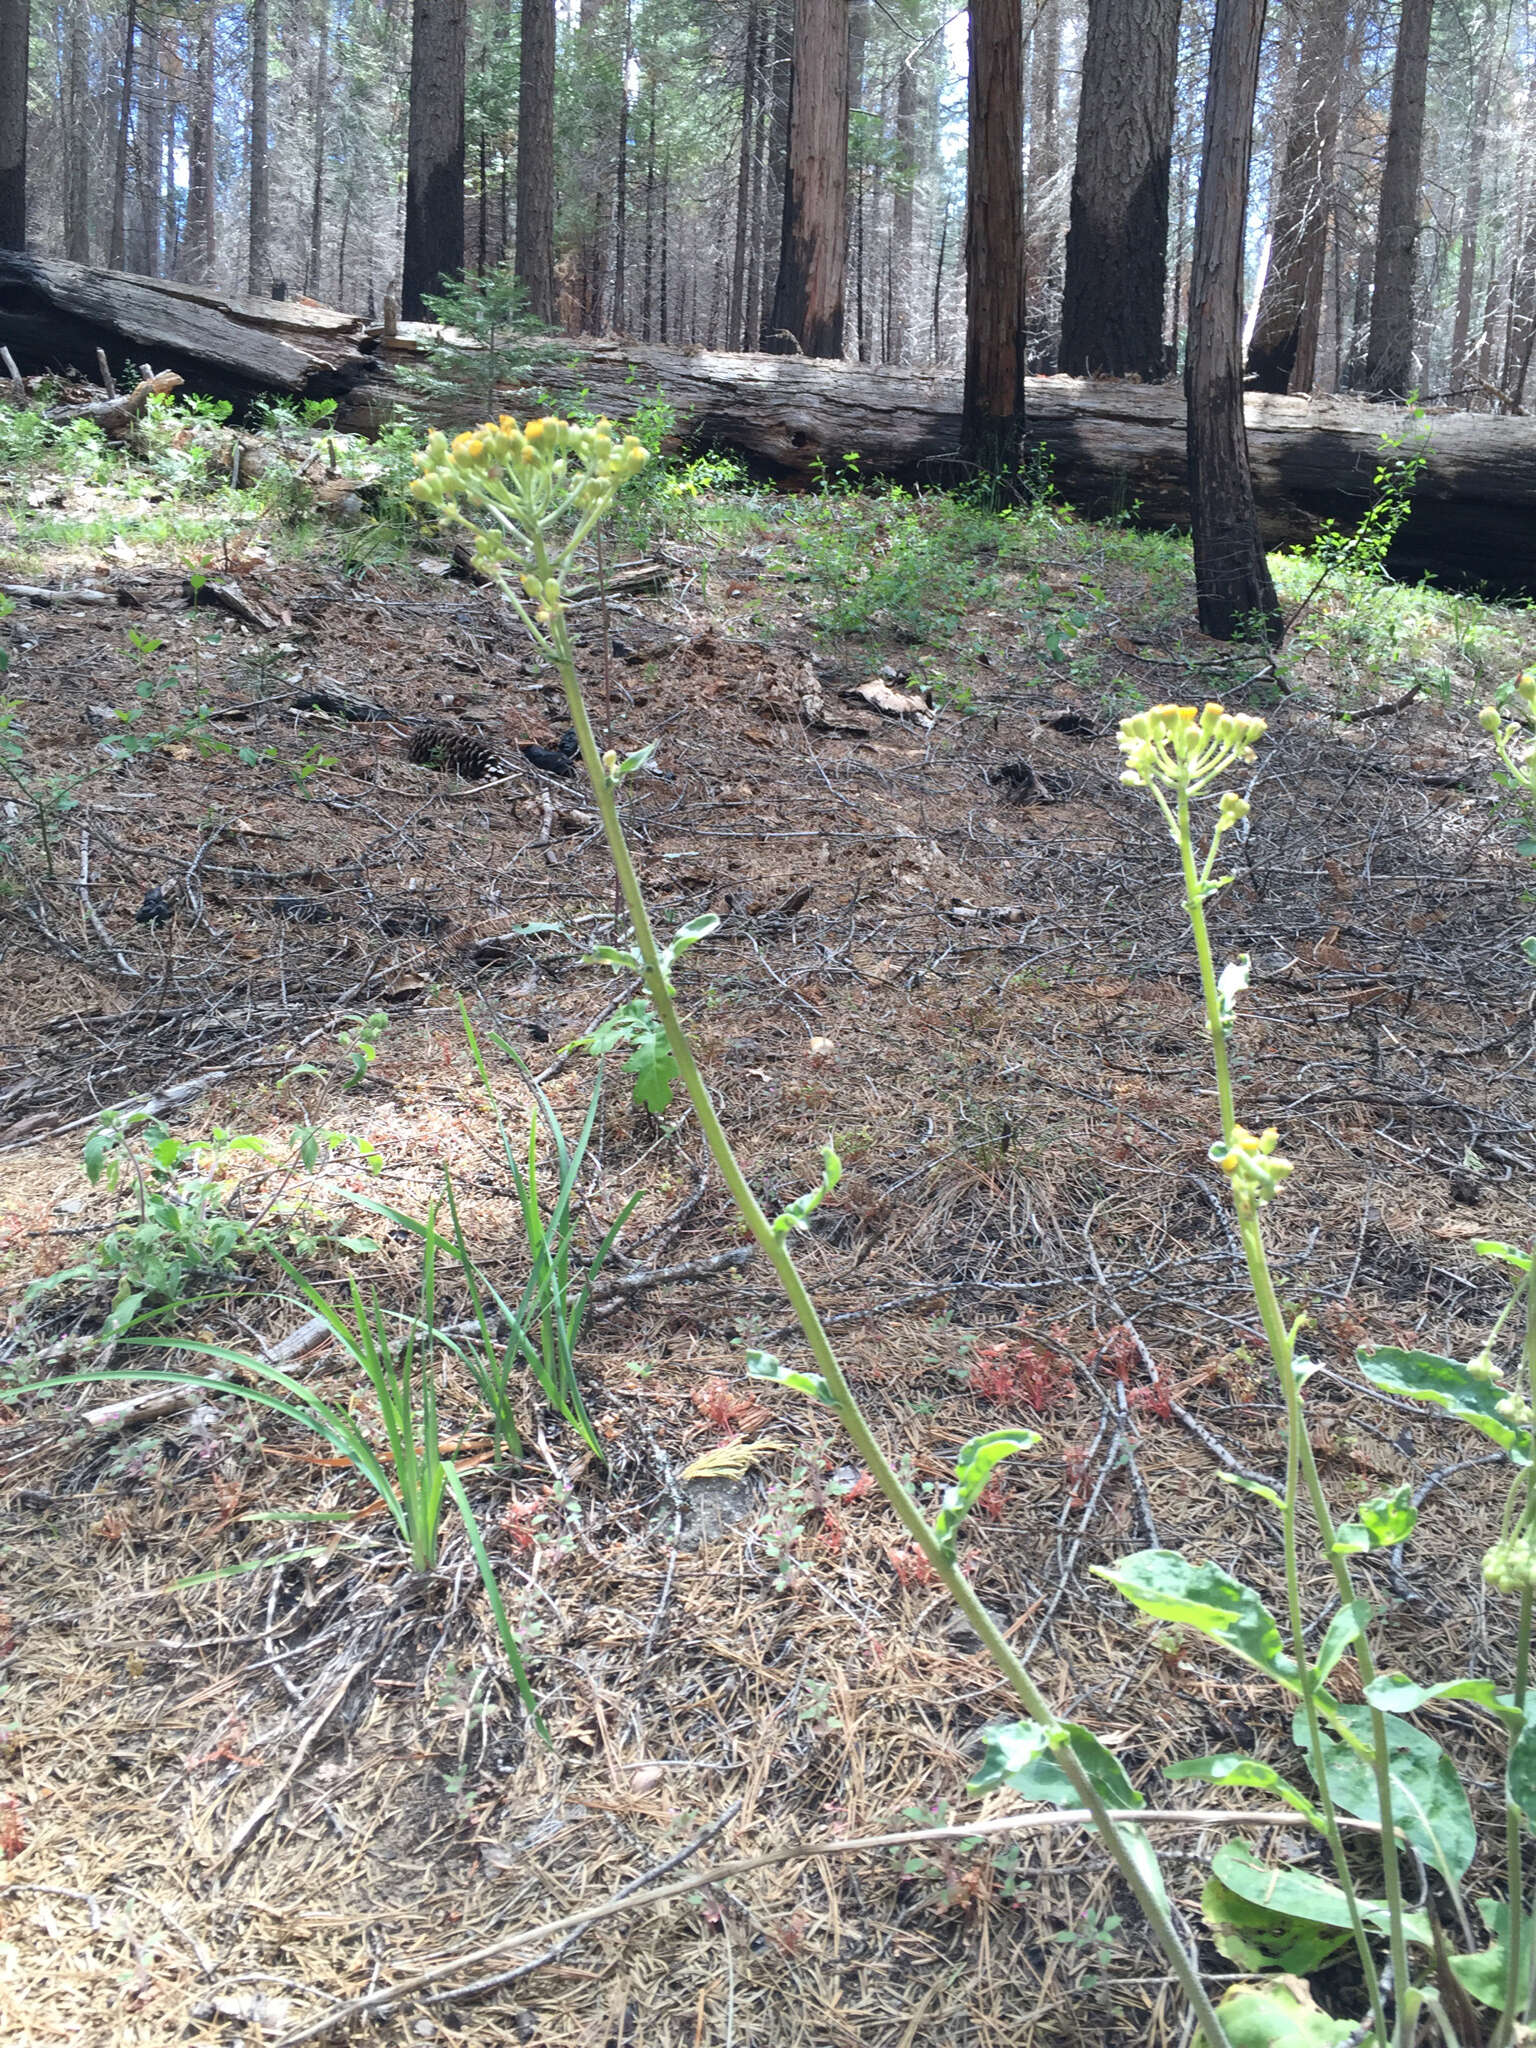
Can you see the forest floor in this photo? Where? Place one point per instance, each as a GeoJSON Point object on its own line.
{"type": "Point", "coordinates": [950, 937]}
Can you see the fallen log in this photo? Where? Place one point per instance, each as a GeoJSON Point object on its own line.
{"type": "Point", "coordinates": [55, 316]}
{"type": "Point", "coordinates": [1114, 448]}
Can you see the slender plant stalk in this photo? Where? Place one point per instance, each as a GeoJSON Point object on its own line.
{"type": "Point", "coordinates": [1281, 1339]}
{"type": "Point", "coordinates": [776, 1251]}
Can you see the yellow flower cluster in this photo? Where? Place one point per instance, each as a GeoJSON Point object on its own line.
{"type": "Point", "coordinates": [1251, 1164]}
{"type": "Point", "coordinates": [1180, 747]}
{"type": "Point", "coordinates": [500, 452]}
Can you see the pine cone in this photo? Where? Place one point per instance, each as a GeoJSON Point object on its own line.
{"type": "Point", "coordinates": [453, 752]}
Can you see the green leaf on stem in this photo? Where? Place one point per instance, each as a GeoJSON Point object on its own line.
{"type": "Point", "coordinates": [1428, 1803]}
{"type": "Point", "coordinates": [1380, 1523]}
{"type": "Point", "coordinates": [1248, 1772]}
{"type": "Point", "coordinates": [800, 1211]}
{"type": "Point", "coordinates": [1303, 1894]}
{"type": "Point", "coordinates": [764, 1366]}
{"type": "Point", "coordinates": [1486, 1974]}
{"type": "Point", "coordinates": [1261, 1938]}
{"type": "Point", "coordinates": [1422, 1376]}
{"type": "Point", "coordinates": [1202, 1596]}
{"type": "Point", "coordinates": [973, 1468]}
{"type": "Point", "coordinates": [1255, 1486]}
{"type": "Point", "coordinates": [1395, 1693]}
{"type": "Point", "coordinates": [1346, 1627]}
{"type": "Point", "coordinates": [1278, 2013]}
{"type": "Point", "coordinates": [1520, 1773]}
{"type": "Point", "coordinates": [1018, 1754]}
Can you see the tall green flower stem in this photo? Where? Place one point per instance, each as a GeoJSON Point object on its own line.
{"type": "Point", "coordinates": [1525, 1491]}
{"type": "Point", "coordinates": [1176, 753]}
{"type": "Point", "coordinates": [524, 481]}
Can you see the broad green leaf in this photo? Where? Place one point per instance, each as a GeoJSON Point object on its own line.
{"type": "Point", "coordinates": [1202, 1596]}
{"type": "Point", "coordinates": [1260, 1939]}
{"type": "Point", "coordinates": [764, 1366]}
{"type": "Point", "coordinates": [1018, 1754]}
{"type": "Point", "coordinates": [1248, 1772]}
{"type": "Point", "coordinates": [1379, 1523]}
{"type": "Point", "coordinates": [1303, 1893]}
{"type": "Point", "coordinates": [973, 1468]}
{"type": "Point", "coordinates": [1280, 2012]}
{"type": "Point", "coordinates": [1346, 1627]}
{"type": "Point", "coordinates": [1428, 1803]}
{"type": "Point", "coordinates": [1422, 1376]}
{"type": "Point", "coordinates": [1396, 1694]}
{"type": "Point", "coordinates": [1484, 1974]}
{"type": "Point", "coordinates": [691, 933]}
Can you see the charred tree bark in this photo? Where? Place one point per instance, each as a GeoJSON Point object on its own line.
{"type": "Point", "coordinates": [993, 407]}
{"type": "Point", "coordinates": [1389, 354]}
{"type": "Point", "coordinates": [1282, 353]}
{"type": "Point", "coordinates": [1233, 590]}
{"type": "Point", "coordinates": [434, 178]}
{"type": "Point", "coordinates": [749, 91]}
{"type": "Point", "coordinates": [534, 261]}
{"type": "Point", "coordinates": [117, 236]}
{"type": "Point", "coordinates": [1117, 240]}
{"type": "Point", "coordinates": [15, 39]}
{"type": "Point", "coordinates": [813, 252]}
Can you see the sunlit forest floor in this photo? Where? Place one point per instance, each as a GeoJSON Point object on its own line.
{"type": "Point", "coordinates": [252, 1765]}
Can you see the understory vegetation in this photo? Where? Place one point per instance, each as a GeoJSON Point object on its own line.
{"type": "Point", "coordinates": [766, 1232]}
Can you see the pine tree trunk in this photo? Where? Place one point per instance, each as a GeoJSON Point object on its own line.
{"type": "Point", "coordinates": [752, 312]}
{"type": "Point", "coordinates": [77, 233]}
{"type": "Point", "coordinates": [1389, 355]}
{"type": "Point", "coordinates": [535, 257]}
{"type": "Point", "coordinates": [15, 36]}
{"type": "Point", "coordinates": [1117, 240]}
{"type": "Point", "coordinates": [1282, 352]}
{"type": "Point", "coordinates": [197, 251]}
{"type": "Point", "coordinates": [749, 90]}
{"type": "Point", "coordinates": [649, 302]}
{"type": "Point", "coordinates": [117, 239]}
{"type": "Point", "coordinates": [666, 180]}
{"type": "Point", "coordinates": [170, 221]}
{"type": "Point", "coordinates": [992, 426]}
{"type": "Point", "coordinates": [807, 314]}
{"type": "Point", "coordinates": [781, 88]}
{"type": "Point", "coordinates": [903, 193]}
{"type": "Point", "coordinates": [1233, 590]}
{"type": "Point", "coordinates": [434, 178]}
{"type": "Point", "coordinates": [317, 163]}
{"type": "Point", "coordinates": [1471, 211]}
{"type": "Point", "coordinates": [258, 269]}
{"type": "Point", "coordinates": [147, 152]}
{"type": "Point", "coordinates": [858, 38]}
{"type": "Point", "coordinates": [621, 191]}
{"type": "Point", "coordinates": [1042, 243]}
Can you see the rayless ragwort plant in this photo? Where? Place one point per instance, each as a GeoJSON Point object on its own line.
{"type": "Point", "coordinates": [531, 496]}
{"type": "Point", "coordinates": [541, 489]}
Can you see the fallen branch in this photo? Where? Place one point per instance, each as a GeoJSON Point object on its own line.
{"type": "Point", "coordinates": [115, 416]}
{"type": "Point", "coordinates": [177, 1400]}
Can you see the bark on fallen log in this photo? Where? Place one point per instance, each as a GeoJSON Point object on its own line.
{"type": "Point", "coordinates": [55, 315]}
{"type": "Point", "coordinates": [1114, 447]}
